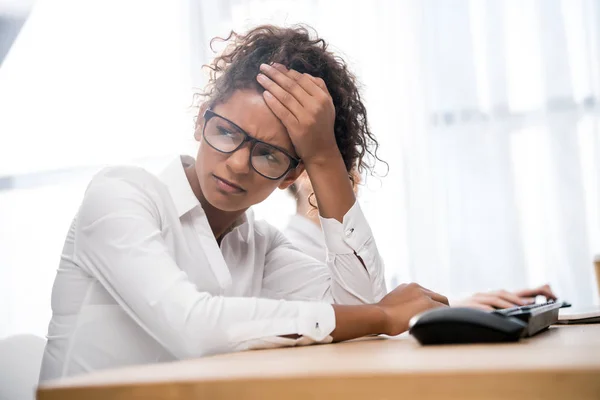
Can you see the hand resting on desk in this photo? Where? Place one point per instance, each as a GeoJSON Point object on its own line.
{"type": "Point", "coordinates": [489, 301]}
{"type": "Point", "coordinates": [390, 316]}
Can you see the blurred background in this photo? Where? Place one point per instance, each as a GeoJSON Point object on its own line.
{"type": "Point", "coordinates": [487, 112]}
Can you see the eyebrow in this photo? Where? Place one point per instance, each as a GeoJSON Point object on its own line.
{"type": "Point", "coordinates": [289, 153]}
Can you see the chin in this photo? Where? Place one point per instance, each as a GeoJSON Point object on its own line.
{"type": "Point", "coordinates": [223, 204]}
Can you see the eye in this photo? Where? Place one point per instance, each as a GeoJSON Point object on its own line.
{"type": "Point", "coordinates": [225, 132]}
{"type": "Point", "coordinates": [269, 155]}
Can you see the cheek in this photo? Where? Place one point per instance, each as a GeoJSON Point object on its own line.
{"type": "Point", "coordinates": [209, 161]}
{"type": "Point", "coordinates": [206, 158]}
{"type": "Point", "coordinates": [205, 163]}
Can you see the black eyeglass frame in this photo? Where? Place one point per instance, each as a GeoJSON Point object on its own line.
{"type": "Point", "coordinates": [294, 162]}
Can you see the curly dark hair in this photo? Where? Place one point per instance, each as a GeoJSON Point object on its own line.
{"type": "Point", "coordinates": [298, 48]}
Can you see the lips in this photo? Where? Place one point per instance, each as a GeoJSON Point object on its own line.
{"type": "Point", "coordinates": [228, 185]}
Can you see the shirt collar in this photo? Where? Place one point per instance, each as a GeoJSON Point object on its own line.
{"type": "Point", "coordinates": [174, 177]}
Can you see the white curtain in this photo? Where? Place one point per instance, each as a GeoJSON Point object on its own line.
{"type": "Point", "coordinates": [485, 110]}
{"type": "Point", "coordinates": [502, 182]}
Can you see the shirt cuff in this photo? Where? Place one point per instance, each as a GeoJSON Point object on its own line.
{"type": "Point", "coordinates": [307, 319]}
{"type": "Point", "coordinates": [350, 235]}
{"type": "Point", "coordinates": [316, 321]}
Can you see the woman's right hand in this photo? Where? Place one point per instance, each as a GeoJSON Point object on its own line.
{"type": "Point", "coordinates": [406, 301]}
{"type": "Point", "coordinates": [390, 316]}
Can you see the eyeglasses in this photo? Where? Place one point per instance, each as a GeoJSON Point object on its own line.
{"type": "Point", "coordinates": [226, 137]}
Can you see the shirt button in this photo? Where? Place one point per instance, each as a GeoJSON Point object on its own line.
{"type": "Point", "coordinates": [349, 232]}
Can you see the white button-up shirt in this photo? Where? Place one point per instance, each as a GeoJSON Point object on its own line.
{"type": "Point", "coordinates": [142, 278]}
{"type": "Point", "coordinates": [307, 237]}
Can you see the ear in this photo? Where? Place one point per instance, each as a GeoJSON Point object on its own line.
{"type": "Point", "coordinates": [291, 176]}
{"type": "Point", "coordinates": [200, 121]}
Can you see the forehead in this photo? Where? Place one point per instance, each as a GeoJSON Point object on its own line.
{"type": "Point", "coordinates": [248, 110]}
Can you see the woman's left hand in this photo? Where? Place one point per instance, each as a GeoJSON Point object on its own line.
{"type": "Point", "coordinates": [503, 299]}
{"type": "Point", "coordinates": [304, 106]}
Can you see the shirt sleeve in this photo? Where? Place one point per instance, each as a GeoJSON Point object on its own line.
{"type": "Point", "coordinates": [354, 273]}
{"type": "Point", "coordinates": [118, 240]}
{"type": "Point", "coordinates": [351, 245]}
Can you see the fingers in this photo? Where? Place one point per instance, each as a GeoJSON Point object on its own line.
{"type": "Point", "coordinates": [311, 84]}
{"type": "Point", "coordinates": [282, 112]}
{"type": "Point", "coordinates": [528, 300]}
{"type": "Point", "coordinates": [512, 298]}
{"type": "Point", "coordinates": [546, 291]}
{"type": "Point", "coordinates": [437, 304]}
{"type": "Point", "coordinates": [543, 290]}
{"type": "Point", "coordinates": [435, 296]}
{"type": "Point", "coordinates": [284, 87]}
{"type": "Point", "coordinates": [438, 297]}
{"type": "Point", "coordinates": [320, 83]}
{"type": "Point", "coordinates": [473, 302]}
{"type": "Point", "coordinates": [284, 97]}
{"type": "Point", "coordinates": [493, 300]}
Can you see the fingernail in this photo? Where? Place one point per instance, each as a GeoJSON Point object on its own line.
{"type": "Point", "coordinates": [267, 94]}
{"type": "Point", "coordinates": [260, 77]}
{"type": "Point", "coordinates": [265, 66]}
{"type": "Point", "coordinates": [280, 66]}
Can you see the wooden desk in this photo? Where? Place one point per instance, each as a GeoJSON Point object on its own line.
{"type": "Point", "coordinates": [561, 363]}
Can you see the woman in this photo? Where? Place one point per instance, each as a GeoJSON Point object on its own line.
{"type": "Point", "coordinates": [157, 268]}
{"type": "Point", "coordinates": [304, 231]}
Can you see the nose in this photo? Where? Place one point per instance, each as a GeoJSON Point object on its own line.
{"type": "Point", "coordinates": [238, 162]}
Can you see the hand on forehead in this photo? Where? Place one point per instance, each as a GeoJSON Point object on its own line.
{"type": "Point", "coordinates": [248, 110]}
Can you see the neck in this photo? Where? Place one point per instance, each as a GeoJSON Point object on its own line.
{"type": "Point", "coordinates": [305, 209]}
{"type": "Point", "coordinates": [220, 221]}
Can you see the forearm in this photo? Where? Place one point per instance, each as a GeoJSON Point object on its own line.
{"type": "Point", "coordinates": [352, 322]}
{"type": "Point", "coordinates": [333, 189]}
{"type": "Point", "coordinates": [353, 283]}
